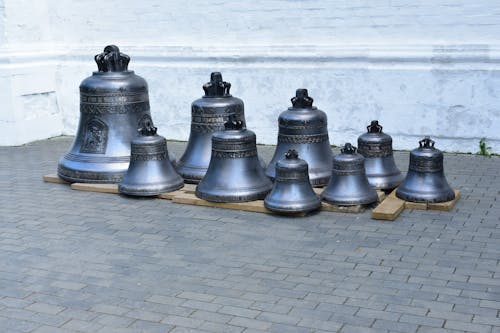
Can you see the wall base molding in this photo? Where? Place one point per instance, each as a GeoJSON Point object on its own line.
{"type": "Point", "coordinates": [447, 91]}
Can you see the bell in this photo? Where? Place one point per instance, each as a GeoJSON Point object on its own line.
{"type": "Point", "coordinates": [150, 171]}
{"type": "Point", "coordinates": [292, 192]}
{"type": "Point", "coordinates": [112, 102]}
{"type": "Point", "coordinates": [304, 128]}
{"type": "Point", "coordinates": [349, 185]}
{"type": "Point", "coordinates": [376, 148]}
{"type": "Point", "coordinates": [234, 173]}
{"type": "Point", "coordinates": [208, 115]}
{"type": "Point", "coordinates": [425, 180]}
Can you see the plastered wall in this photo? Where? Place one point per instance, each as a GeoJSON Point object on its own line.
{"type": "Point", "coordinates": [420, 67]}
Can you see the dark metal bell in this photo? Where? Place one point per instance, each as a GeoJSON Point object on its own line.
{"type": "Point", "coordinates": [208, 115]}
{"type": "Point", "coordinates": [349, 185]}
{"type": "Point", "coordinates": [112, 102]}
{"type": "Point", "coordinates": [425, 180]}
{"type": "Point", "coordinates": [150, 171]}
{"type": "Point", "coordinates": [234, 173]}
{"type": "Point", "coordinates": [292, 192]}
{"type": "Point", "coordinates": [376, 148]}
{"type": "Point", "coordinates": [303, 127]}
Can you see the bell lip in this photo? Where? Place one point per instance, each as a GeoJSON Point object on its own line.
{"type": "Point", "coordinates": [388, 182]}
{"type": "Point", "coordinates": [259, 194]}
{"type": "Point", "coordinates": [365, 201]}
{"type": "Point", "coordinates": [189, 174]}
{"type": "Point", "coordinates": [447, 195]}
{"type": "Point", "coordinates": [89, 177]}
{"type": "Point", "coordinates": [283, 208]}
{"type": "Point", "coordinates": [137, 191]}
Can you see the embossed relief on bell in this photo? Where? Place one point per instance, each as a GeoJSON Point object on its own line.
{"type": "Point", "coordinates": [96, 137]}
{"type": "Point", "coordinates": [426, 164]}
{"type": "Point", "coordinates": [382, 149]}
{"type": "Point", "coordinates": [312, 138]}
{"type": "Point", "coordinates": [113, 103]}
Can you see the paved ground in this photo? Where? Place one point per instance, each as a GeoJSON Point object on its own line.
{"type": "Point", "coordinates": [75, 261]}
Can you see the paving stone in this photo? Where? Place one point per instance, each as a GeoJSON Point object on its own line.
{"type": "Point", "coordinates": [421, 320]}
{"type": "Point", "coordinates": [361, 329]}
{"type": "Point", "coordinates": [395, 326]}
{"type": "Point", "coordinates": [44, 308]}
{"type": "Point", "coordinates": [240, 312]}
{"type": "Point", "coordinates": [469, 327]}
{"type": "Point", "coordinates": [147, 265]}
{"type": "Point", "coordinates": [182, 321]}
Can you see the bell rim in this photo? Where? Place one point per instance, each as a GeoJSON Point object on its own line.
{"type": "Point", "coordinates": [365, 201]}
{"type": "Point", "coordinates": [443, 196]}
{"type": "Point", "coordinates": [290, 209]}
{"type": "Point", "coordinates": [89, 177]}
{"type": "Point", "coordinates": [385, 182]}
{"type": "Point", "coordinates": [259, 194]}
{"type": "Point", "coordinates": [136, 191]}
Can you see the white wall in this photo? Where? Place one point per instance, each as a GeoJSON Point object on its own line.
{"type": "Point", "coordinates": [429, 67]}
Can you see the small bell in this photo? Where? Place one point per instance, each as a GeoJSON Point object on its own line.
{"type": "Point", "coordinates": [304, 128]}
{"type": "Point", "coordinates": [235, 173]}
{"type": "Point", "coordinates": [150, 171]}
{"type": "Point", "coordinates": [425, 180]}
{"type": "Point", "coordinates": [208, 115]}
{"type": "Point", "coordinates": [292, 192]}
{"type": "Point", "coordinates": [112, 102]}
{"type": "Point", "coordinates": [376, 148]}
{"type": "Point", "coordinates": [349, 185]}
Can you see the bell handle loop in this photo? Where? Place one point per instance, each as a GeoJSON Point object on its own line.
{"type": "Point", "coordinates": [374, 127]}
{"type": "Point", "coordinates": [426, 142]}
{"type": "Point", "coordinates": [348, 149]}
{"type": "Point", "coordinates": [216, 86]}
{"type": "Point", "coordinates": [302, 99]}
{"type": "Point", "coordinates": [112, 60]}
{"type": "Point", "coordinates": [291, 154]}
{"type": "Point", "coordinates": [146, 126]}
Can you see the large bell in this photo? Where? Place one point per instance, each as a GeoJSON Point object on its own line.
{"type": "Point", "coordinates": [292, 192]}
{"type": "Point", "coordinates": [112, 102]}
{"type": "Point", "coordinates": [208, 115]}
{"type": "Point", "coordinates": [349, 185]}
{"type": "Point", "coordinates": [425, 180]}
{"type": "Point", "coordinates": [304, 128]}
{"type": "Point", "coordinates": [150, 171]}
{"type": "Point", "coordinates": [234, 173]}
{"type": "Point", "coordinates": [376, 148]}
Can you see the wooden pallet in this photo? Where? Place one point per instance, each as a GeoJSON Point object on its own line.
{"type": "Point", "coordinates": [392, 206]}
{"type": "Point", "coordinates": [186, 196]}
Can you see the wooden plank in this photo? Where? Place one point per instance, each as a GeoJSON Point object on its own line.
{"type": "Point", "coordinates": [381, 195]}
{"type": "Point", "coordinates": [342, 209]}
{"type": "Point", "coordinates": [188, 188]}
{"type": "Point", "coordinates": [445, 206]}
{"type": "Point", "coordinates": [416, 205]}
{"type": "Point", "coordinates": [101, 188]}
{"type": "Point", "coordinates": [54, 178]}
{"type": "Point", "coordinates": [389, 209]}
{"type": "Point", "coordinates": [252, 206]}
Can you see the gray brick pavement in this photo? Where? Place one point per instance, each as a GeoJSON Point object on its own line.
{"type": "Point", "coordinates": [75, 261]}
